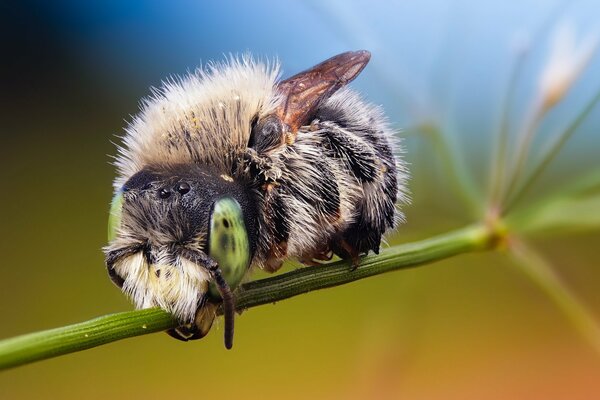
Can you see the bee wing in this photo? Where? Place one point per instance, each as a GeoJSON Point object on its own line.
{"type": "Point", "coordinates": [301, 95]}
{"type": "Point", "coordinates": [303, 92]}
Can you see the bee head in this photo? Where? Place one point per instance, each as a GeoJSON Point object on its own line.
{"type": "Point", "coordinates": [178, 233]}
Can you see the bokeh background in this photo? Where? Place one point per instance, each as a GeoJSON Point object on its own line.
{"type": "Point", "coordinates": [471, 327]}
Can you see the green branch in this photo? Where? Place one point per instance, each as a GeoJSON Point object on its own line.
{"type": "Point", "coordinates": [109, 328]}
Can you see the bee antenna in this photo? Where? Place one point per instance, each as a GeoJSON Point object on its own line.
{"type": "Point", "coordinates": [222, 286]}
{"type": "Point", "coordinates": [228, 305]}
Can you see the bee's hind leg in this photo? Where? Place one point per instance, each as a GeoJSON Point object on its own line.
{"type": "Point", "coordinates": [346, 251]}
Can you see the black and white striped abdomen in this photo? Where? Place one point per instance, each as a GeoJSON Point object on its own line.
{"type": "Point", "coordinates": [336, 186]}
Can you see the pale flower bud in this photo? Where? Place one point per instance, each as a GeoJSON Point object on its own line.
{"type": "Point", "coordinates": [566, 62]}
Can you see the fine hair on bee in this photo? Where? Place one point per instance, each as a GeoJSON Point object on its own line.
{"type": "Point", "coordinates": [230, 168]}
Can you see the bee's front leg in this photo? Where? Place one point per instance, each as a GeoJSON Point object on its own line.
{"type": "Point", "coordinates": [205, 316]}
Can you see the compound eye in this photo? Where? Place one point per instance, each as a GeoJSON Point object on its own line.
{"type": "Point", "coordinates": [114, 217]}
{"type": "Point", "coordinates": [266, 134]}
{"type": "Point", "coordinates": [228, 240]}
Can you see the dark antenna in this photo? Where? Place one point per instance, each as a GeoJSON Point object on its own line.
{"type": "Point", "coordinates": [228, 305]}
{"type": "Point", "coordinates": [201, 259]}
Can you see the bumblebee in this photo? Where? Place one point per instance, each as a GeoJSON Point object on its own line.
{"type": "Point", "coordinates": [229, 169]}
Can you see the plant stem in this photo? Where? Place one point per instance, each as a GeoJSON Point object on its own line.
{"type": "Point", "coordinates": [109, 328]}
{"type": "Point", "coordinates": [84, 335]}
{"type": "Point", "coordinates": [462, 183]}
{"type": "Point", "coordinates": [524, 140]}
{"type": "Point", "coordinates": [497, 173]}
{"type": "Point", "coordinates": [551, 152]}
{"type": "Point", "coordinates": [542, 273]}
{"type": "Point", "coordinates": [500, 161]}
{"type": "Point", "coordinates": [404, 256]}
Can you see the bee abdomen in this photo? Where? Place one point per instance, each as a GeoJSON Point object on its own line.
{"type": "Point", "coordinates": [321, 192]}
{"type": "Point", "coordinates": [351, 149]}
{"type": "Point", "coordinates": [307, 204]}
{"type": "Point", "coordinates": [358, 137]}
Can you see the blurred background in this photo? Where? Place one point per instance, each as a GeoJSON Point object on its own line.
{"type": "Point", "coordinates": [473, 327]}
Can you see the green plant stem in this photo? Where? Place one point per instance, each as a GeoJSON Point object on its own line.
{"type": "Point", "coordinates": [500, 161]}
{"type": "Point", "coordinates": [524, 140]}
{"type": "Point", "coordinates": [542, 273]}
{"type": "Point", "coordinates": [109, 328]}
{"type": "Point", "coordinates": [502, 136]}
{"type": "Point", "coordinates": [84, 335]}
{"type": "Point", "coordinates": [462, 182]}
{"type": "Point", "coordinates": [404, 256]}
{"type": "Point", "coordinates": [551, 152]}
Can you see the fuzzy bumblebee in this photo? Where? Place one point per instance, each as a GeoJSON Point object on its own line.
{"type": "Point", "coordinates": [229, 169]}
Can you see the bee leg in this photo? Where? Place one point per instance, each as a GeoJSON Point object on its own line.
{"type": "Point", "coordinates": [184, 332]}
{"type": "Point", "coordinates": [309, 262]}
{"type": "Point", "coordinates": [276, 255]}
{"type": "Point", "coordinates": [276, 217]}
{"type": "Point", "coordinates": [324, 255]}
{"type": "Point", "coordinates": [315, 258]}
{"type": "Point", "coordinates": [228, 301]}
{"type": "Point", "coordinates": [113, 257]}
{"type": "Point", "coordinates": [273, 264]}
{"type": "Point", "coordinates": [200, 327]}
{"type": "Point", "coordinates": [276, 212]}
{"type": "Point", "coordinates": [312, 262]}
{"type": "Point", "coordinates": [346, 251]}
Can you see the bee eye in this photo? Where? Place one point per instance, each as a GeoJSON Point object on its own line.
{"type": "Point", "coordinates": [114, 217]}
{"type": "Point", "coordinates": [266, 134]}
{"type": "Point", "coordinates": [164, 193]}
{"type": "Point", "coordinates": [183, 187]}
{"type": "Point", "coordinates": [228, 240]}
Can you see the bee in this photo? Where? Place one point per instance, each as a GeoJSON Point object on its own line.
{"type": "Point", "coordinates": [230, 169]}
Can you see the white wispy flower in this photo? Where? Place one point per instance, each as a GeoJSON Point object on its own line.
{"type": "Point", "coordinates": [567, 60]}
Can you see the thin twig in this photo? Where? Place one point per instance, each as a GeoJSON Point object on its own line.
{"type": "Point", "coordinates": [551, 152]}
{"type": "Point", "coordinates": [524, 141]}
{"type": "Point", "coordinates": [502, 136]}
{"type": "Point", "coordinates": [498, 179]}
{"type": "Point", "coordinates": [462, 182]}
{"type": "Point", "coordinates": [109, 328]}
{"type": "Point", "coordinates": [542, 273]}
